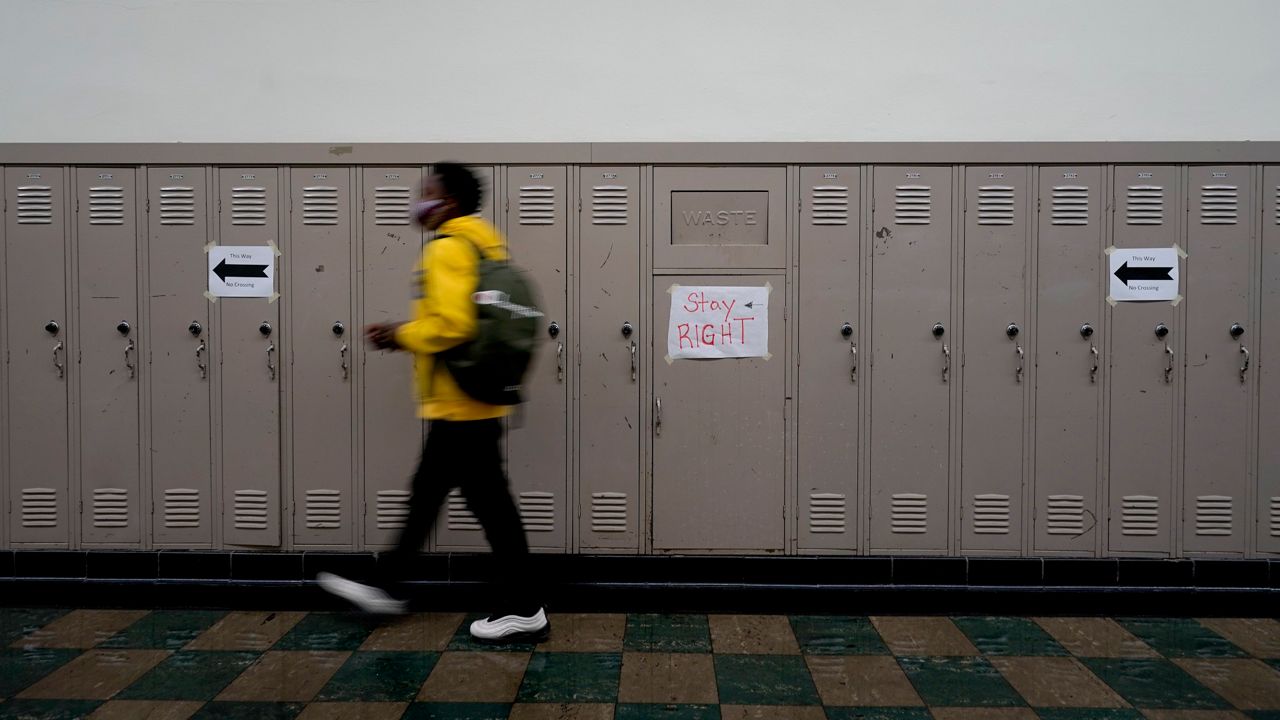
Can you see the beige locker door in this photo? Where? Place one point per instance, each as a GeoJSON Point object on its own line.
{"type": "Point", "coordinates": [1142, 389]}
{"type": "Point", "coordinates": [1068, 342]}
{"type": "Point", "coordinates": [1268, 370]}
{"type": "Point", "coordinates": [719, 435]}
{"type": "Point", "coordinates": [996, 338]}
{"type": "Point", "coordinates": [725, 217]}
{"type": "Point", "coordinates": [110, 347]}
{"type": "Point", "coordinates": [390, 248]}
{"type": "Point", "coordinates": [251, 338]}
{"type": "Point", "coordinates": [38, 361]}
{"type": "Point", "coordinates": [914, 351]}
{"type": "Point", "coordinates": [610, 338]}
{"type": "Point", "coordinates": [1219, 264]}
{"type": "Point", "coordinates": [829, 335]}
{"type": "Point", "coordinates": [179, 357]}
{"type": "Point", "coordinates": [321, 340]}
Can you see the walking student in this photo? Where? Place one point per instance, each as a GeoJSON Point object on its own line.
{"type": "Point", "coordinates": [464, 434]}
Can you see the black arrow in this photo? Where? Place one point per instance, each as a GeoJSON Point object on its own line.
{"type": "Point", "coordinates": [751, 304]}
{"type": "Point", "coordinates": [1126, 273]}
{"type": "Point", "coordinates": [224, 271]}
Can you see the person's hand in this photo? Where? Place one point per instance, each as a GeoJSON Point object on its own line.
{"type": "Point", "coordinates": [382, 336]}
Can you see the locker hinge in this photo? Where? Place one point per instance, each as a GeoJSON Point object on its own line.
{"type": "Point", "coordinates": [1038, 202]}
{"type": "Point", "coordinates": [579, 204]}
{"type": "Point", "coordinates": [219, 206]}
{"type": "Point", "coordinates": [77, 204]}
{"type": "Point", "coordinates": [506, 205]}
{"type": "Point", "coordinates": [148, 206]}
{"type": "Point", "coordinates": [362, 201]}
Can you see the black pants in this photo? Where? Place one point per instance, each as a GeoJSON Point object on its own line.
{"type": "Point", "coordinates": [468, 455]}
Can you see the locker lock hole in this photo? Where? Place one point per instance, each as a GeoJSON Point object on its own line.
{"type": "Point", "coordinates": [338, 328]}
{"type": "Point", "coordinates": [553, 330]}
{"type": "Point", "coordinates": [123, 327]}
{"type": "Point", "coordinates": [195, 328]}
{"type": "Point", "coordinates": [626, 330]}
{"type": "Point", "coordinates": [938, 330]}
{"type": "Point", "coordinates": [52, 327]}
{"type": "Point", "coordinates": [265, 329]}
{"type": "Point", "coordinates": [846, 330]}
{"type": "Point", "coordinates": [1086, 331]}
{"type": "Point", "coordinates": [1162, 330]}
{"type": "Point", "coordinates": [1236, 330]}
{"type": "Point", "coordinates": [1012, 330]}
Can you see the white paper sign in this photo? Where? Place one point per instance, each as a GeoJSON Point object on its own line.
{"type": "Point", "coordinates": [712, 323]}
{"type": "Point", "coordinates": [1144, 274]}
{"type": "Point", "coordinates": [242, 271]}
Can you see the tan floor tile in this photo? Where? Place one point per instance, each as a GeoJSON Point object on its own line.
{"type": "Point", "coordinates": [285, 676]}
{"type": "Point", "coordinates": [585, 632]}
{"type": "Point", "coordinates": [1056, 682]}
{"type": "Point", "coordinates": [246, 631]}
{"type": "Point", "coordinates": [146, 710]}
{"type": "Point", "coordinates": [81, 629]}
{"type": "Point", "coordinates": [1095, 637]}
{"type": "Point", "coordinates": [668, 678]}
{"type": "Point", "coordinates": [96, 675]}
{"type": "Point", "coordinates": [561, 711]}
{"type": "Point", "coordinates": [420, 631]}
{"type": "Point", "coordinates": [771, 712]}
{"type": "Point", "coordinates": [1257, 636]}
{"type": "Point", "coordinates": [768, 634]}
{"type": "Point", "coordinates": [1246, 683]}
{"type": "Point", "coordinates": [354, 711]}
{"type": "Point", "coordinates": [475, 677]}
{"type": "Point", "coordinates": [861, 680]}
{"type": "Point", "coordinates": [923, 636]}
{"type": "Point", "coordinates": [968, 713]}
{"type": "Point", "coordinates": [1193, 715]}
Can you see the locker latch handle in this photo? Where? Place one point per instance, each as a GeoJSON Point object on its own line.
{"type": "Point", "coordinates": [559, 362]}
{"type": "Point", "coordinates": [128, 357]}
{"type": "Point", "coordinates": [657, 416]}
{"type": "Point", "coordinates": [342, 355]}
{"type": "Point", "coordinates": [1244, 362]}
{"type": "Point", "coordinates": [1093, 371]}
{"type": "Point", "coordinates": [1168, 368]}
{"type": "Point", "coordinates": [57, 361]}
{"type": "Point", "coordinates": [946, 362]}
{"type": "Point", "coordinates": [271, 361]}
{"type": "Point", "coordinates": [853, 368]}
{"type": "Point", "coordinates": [204, 369]}
{"type": "Point", "coordinates": [633, 361]}
{"type": "Point", "coordinates": [1017, 374]}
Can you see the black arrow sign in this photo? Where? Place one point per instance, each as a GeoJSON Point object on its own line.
{"type": "Point", "coordinates": [1126, 273]}
{"type": "Point", "coordinates": [224, 271]}
{"type": "Point", "coordinates": [751, 304]}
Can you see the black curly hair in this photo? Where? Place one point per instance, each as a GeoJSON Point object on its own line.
{"type": "Point", "coordinates": [460, 184]}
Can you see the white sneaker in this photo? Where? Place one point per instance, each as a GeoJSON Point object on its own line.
{"type": "Point", "coordinates": [511, 628]}
{"type": "Point", "coordinates": [366, 597]}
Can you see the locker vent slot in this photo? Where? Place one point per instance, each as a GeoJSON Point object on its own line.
{"type": "Point", "coordinates": [830, 205]}
{"type": "Point", "coordinates": [1219, 205]}
{"type": "Point", "coordinates": [1213, 515]}
{"type": "Point", "coordinates": [392, 509]}
{"type": "Point", "coordinates": [912, 204]}
{"type": "Point", "coordinates": [460, 518]}
{"type": "Point", "coordinates": [995, 205]}
{"type": "Point", "coordinates": [910, 513]}
{"type": "Point", "coordinates": [181, 508]}
{"type": "Point", "coordinates": [538, 511]}
{"type": "Point", "coordinates": [391, 206]}
{"type": "Point", "coordinates": [177, 205]}
{"type": "Point", "coordinates": [35, 205]}
{"type": "Point", "coordinates": [609, 512]}
{"type": "Point", "coordinates": [248, 205]}
{"type": "Point", "coordinates": [1140, 515]}
{"type": "Point", "coordinates": [1144, 205]}
{"type": "Point", "coordinates": [319, 205]}
{"type": "Point", "coordinates": [39, 507]}
{"type": "Point", "coordinates": [110, 507]}
{"type": "Point", "coordinates": [1275, 516]}
{"type": "Point", "coordinates": [1070, 205]}
{"type": "Point", "coordinates": [106, 205]}
{"type": "Point", "coordinates": [1066, 515]}
{"type": "Point", "coordinates": [1277, 204]}
{"type": "Point", "coordinates": [608, 205]}
{"type": "Point", "coordinates": [991, 514]}
{"type": "Point", "coordinates": [250, 510]}
{"type": "Point", "coordinates": [827, 513]}
{"type": "Point", "coordinates": [324, 509]}
{"type": "Point", "coordinates": [537, 205]}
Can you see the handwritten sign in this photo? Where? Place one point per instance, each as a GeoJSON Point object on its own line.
{"type": "Point", "coordinates": [713, 323]}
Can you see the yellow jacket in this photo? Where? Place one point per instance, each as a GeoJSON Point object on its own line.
{"type": "Point", "coordinates": [444, 315]}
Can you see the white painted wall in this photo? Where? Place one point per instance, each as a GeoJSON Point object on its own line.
{"type": "Point", "coordinates": [614, 70]}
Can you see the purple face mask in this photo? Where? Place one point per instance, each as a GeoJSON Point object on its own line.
{"type": "Point", "coordinates": [421, 210]}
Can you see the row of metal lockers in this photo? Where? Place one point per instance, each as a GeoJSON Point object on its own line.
{"type": "Point", "coordinates": [944, 372]}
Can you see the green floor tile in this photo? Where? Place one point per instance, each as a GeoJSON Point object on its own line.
{"type": "Point", "coordinates": [826, 635]}
{"type": "Point", "coordinates": [1181, 637]}
{"type": "Point", "coordinates": [329, 631]}
{"type": "Point", "coordinates": [959, 682]}
{"type": "Point", "coordinates": [20, 668]}
{"type": "Point", "coordinates": [1008, 636]}
{"type": "Point", "coordinates": [165, 629]}
{"type": "Point", "coordinates": [1088, 714]}
{"type": "Point", "coordinates": [641, 711]}
{"type": "Point", "coordinates": [571, 678]}
{"type": "Point", "coordinates": [248, 711]}
{"type": "Point", "coordinates": [380, 677]}
{"type": "Point", "coordinates": [17, 623]}
{"type": "Point", "coordinates": [47, 709]}
{"type": "Point", "coordinates": [667, 633]}
{"type": "Point", "coordinates": [764, 680]}
{"type": "Point", "coordinates": [462, 640]}
{"type": "Point", "coordinates": [457, 711]}
{"type": "Point", "coordinates": [877, 713]}
{"type": "Point", "coordinates": [193, 675]}
{"type": "Point", "coordinates": [1154, 683]}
